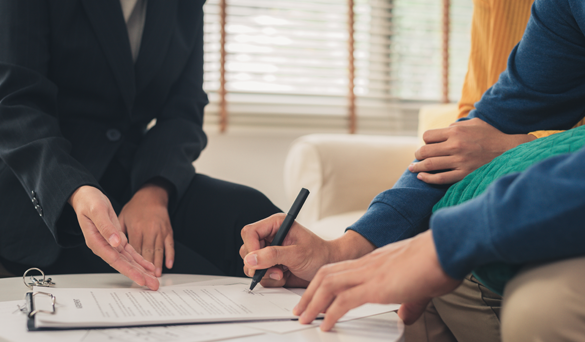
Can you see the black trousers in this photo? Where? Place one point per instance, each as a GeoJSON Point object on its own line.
{"type": "Point", "coordinates": [206, 223]}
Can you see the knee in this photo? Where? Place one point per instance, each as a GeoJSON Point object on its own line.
{"type": "Point", "coordinates": [545, 303]}
{"type": "Point", "coordinates": [256, 201]}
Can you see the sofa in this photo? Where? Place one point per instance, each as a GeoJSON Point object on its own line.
{"type": "Point", "coordinates": [344, 172]}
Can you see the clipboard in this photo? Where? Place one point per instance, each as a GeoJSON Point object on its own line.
{"type": "Point", "coordinates": [95, 308]}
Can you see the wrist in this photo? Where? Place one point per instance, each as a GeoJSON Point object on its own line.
{"type": "Point", "coordinates": [519, 139]}
{"type": "Point", "coordinates": [351, 245]}
{"type": "Point", "coordinates": [78, 195]}
{"type": "Point", "coordinates": [154, 192]}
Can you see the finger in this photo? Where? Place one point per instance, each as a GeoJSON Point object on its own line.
{"type": "Point", "coordinates": [159, 254]}
{"type": "Point", "coordinates": [331, 285]}
{"type": "Point", "coordinates": [243, 251]}
{"type": "Point", "coordinates": [410, 312]}
{"type": "Point", "coordinates": [253, 233]}
{"type": "Point", "coordinates": [433, 136]}
{"type": "Point", "coordinates": [432, 150]}
{"type": "Point", "coordinates": [274, 277]}
{"type": "Point", "coordinates": [433, 164]}
{"type": "Point", "coordinates": [108, 228]}
{"type": "Point", "coordinates": [469, 122]}
{"type": "Point", "coordinates": [96, 242]}
{"type": "Point", "coordinates": [148, 246]}
{"type": "Point", "coordinates": [122, 224]}
{"type": "Point", "coordinates": [136, 240]}
{"type": "Point", "coordinates": [318, 279]}
{"type": "Point", "coordinates": [147, 265]}
{"type": "Point", "coordinates": [448, 177]}
{"type": "Point", "coordinates": [345, 301]}
{"type": "Point", "coordinates": [170, 251]}
{"type": "Point", "coordinates": [117, 226]}
{"type": "Point", "coordinates": [127, 254]}
{"type": "Point", "coordinates": [272, 255]}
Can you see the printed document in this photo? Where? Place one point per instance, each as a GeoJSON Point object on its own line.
{"type": "Point", "coordinates": [88, 308]}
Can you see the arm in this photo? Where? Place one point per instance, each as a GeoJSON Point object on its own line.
{"type": "Point", "coordinates": [527, 217]}
{"type": "Point", "coordinates": [31, 143]}
{"type": "Point", "coordinates": [170, 147]}
{"type": "Point", "coordinates": [162, 168]}
{"type": "Point", "coordinates": [401, 212]}
{"type": "Point", "coordinates": [543, 86]}
{"type": "Point", "coordinates": [34, 149]}
{"type": "Point", "coordinates": [395, 214]}
{"type": "Point", "coordinates": [524, 217]}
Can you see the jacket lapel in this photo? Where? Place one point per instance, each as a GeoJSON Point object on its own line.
{"type": "Point", "coordinates": [158, 29]}
{"type": "Point", "coordinates": [108, 23]}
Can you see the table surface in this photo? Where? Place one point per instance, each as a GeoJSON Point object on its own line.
{"type": "Point", "coordinates": [384, 327]}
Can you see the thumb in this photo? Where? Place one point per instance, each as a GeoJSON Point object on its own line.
{"type": "Point", "coordinates": [123, 228]}
{"type": "Point", "coordinates": [270, 256]}
{"type": "Point", "coordinates": [107, 224]}
{"type": "Point", "coordinates": [410, 312]}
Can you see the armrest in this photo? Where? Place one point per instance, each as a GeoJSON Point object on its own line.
{"type": "Point", "coordinates": [344, 172]}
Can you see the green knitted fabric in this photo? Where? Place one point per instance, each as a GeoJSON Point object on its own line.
{"type": "Point", "coordinates": [496, 275]}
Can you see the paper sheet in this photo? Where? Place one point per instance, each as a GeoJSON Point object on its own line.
{"type": "Point", "coordinates": [193, 304]}
{"type": "Point", "coordinates": [283, 327]}
{"type": "Point", "coordinates": [13, 328]}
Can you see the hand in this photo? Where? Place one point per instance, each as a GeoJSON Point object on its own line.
{"type": "Point", "coordinates": [105, 238]}
{"type": "Point", "coordinates": [146, 220]}
{"type": "Point", "coordinates": [406, 272]}
{"type": "Point", "coordinates": [302, 253]}
{"type": "Point", "coordinates": [461, 148]}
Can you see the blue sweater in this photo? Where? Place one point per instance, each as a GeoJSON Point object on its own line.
{"type": "Point", "coordinates": [543, 88]}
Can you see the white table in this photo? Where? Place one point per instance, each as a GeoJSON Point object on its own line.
{"type": "Point", "coordinates": [384, 327]}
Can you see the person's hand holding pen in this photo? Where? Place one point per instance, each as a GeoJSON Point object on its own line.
{"type": "Point", "coordinates": [104, 236]}
{"type": "Point", "coordinates": [296, 259]}
{"type": "Point", "coordinates": [293, 264]}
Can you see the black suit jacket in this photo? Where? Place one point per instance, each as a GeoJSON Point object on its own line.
{"type": "Point", "coordinates": [71, 99]}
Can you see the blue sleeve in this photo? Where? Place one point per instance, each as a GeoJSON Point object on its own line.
{"type": "Point", "coordinates": [536, 215]}
{"type": "Point", "coordinates": [401, 212]}
{"type": "Point", "coordinates": [543, 85]}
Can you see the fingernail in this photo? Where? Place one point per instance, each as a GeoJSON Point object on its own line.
{"type": "Point", "coordinates": [303, 318]}
{"type": "Point", "coordinates": [295, 310]}
{"type": "Point", "coordinates": [419, 176]}
{"type": "Point", "coordinates": [274, 276]}
{"type": "Point", "coordinates": [252, 260]}
{"type": "Point", "coordinates": [158, 271]}
{"type": "Point", "coordinates": [410, 167]}
{"type": "Point", "coordinates": [114, 240]}
{"type": "Point", "coordinates": [170, 264]}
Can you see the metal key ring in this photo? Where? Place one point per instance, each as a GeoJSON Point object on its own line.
{"type": "Point", "coordinates": [36, 282]}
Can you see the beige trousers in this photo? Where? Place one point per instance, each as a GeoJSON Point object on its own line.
{"type": "Point", "coordinates": [471, 313]}
{"type": "Point", "coordinates": [544, 302]}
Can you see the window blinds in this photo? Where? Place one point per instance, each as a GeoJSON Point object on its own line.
{"type": "Point", "coordinates": [286, 61]}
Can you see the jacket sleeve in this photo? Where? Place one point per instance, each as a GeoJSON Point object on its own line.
{"type": "Point", "coordinates": [170, 147]}
{"type": "Point", "coordinates": [536, 215]}
{"type": "Point", "coordinates": [401, 212]}
{"type": "Point", "coordinates": [31, 143]}
{"type": "Point", "coordinates": [543, 85]}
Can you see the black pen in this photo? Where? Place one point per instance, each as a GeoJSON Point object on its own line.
{"type": "Point", "coordinates": [283, 230]}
